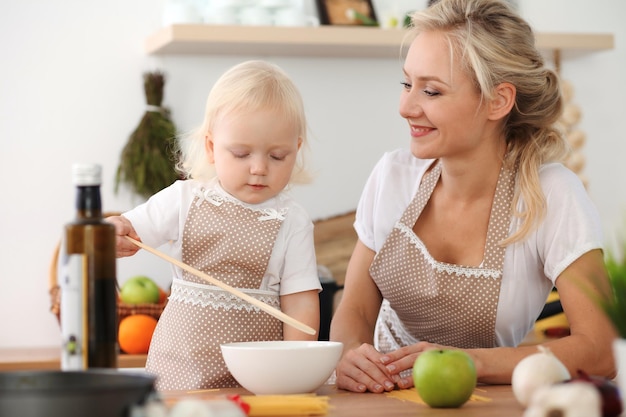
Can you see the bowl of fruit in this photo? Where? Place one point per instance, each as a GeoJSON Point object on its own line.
{"type": "Point", "coordinates": [282, 367]}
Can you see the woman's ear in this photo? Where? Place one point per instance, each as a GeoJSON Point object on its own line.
{"type": "Point", "coordinates": [503, 101]}
{"type": "Point", "coordinates": [209, 147]}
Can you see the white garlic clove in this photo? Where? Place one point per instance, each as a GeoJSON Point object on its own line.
{"type": "Point", "coordinates": [536, 370]}
{"type": "Point", "coordinates": [565, 400]}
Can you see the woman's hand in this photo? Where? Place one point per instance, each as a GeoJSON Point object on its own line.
{"type": "Point", "coordinates": [123, 227]}
{"type": "Point", "coordinates": [361, 370]}
{"type": "Point", "coordinates": [402, 359]}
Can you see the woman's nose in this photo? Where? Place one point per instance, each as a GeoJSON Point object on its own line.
{"type": "Point", "coordinates": [410, 106]}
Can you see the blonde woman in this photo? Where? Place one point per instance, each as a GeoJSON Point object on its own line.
{"type": "Point", "coordinates": [463, 235]}
{"type": "Point", "coordinates": [232, 220]}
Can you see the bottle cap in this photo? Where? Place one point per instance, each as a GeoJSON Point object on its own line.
{"type": "Point", "coordinates": [86, 174]}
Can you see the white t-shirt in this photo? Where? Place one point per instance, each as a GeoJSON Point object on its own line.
{"type": "Point", "coordinates": [292, 266]}
{"type": "Point", "coordinates": [570, 228]}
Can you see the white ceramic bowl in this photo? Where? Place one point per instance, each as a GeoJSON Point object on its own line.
{"type": "Point", "coordinates": [281, 367]}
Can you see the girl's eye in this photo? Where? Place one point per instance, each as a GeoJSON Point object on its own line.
{"type": "Point", "coordinates": [240, 154]}
{"type": "Point", "coordinates": [430, 93]}
{"type": "Point", "coordinates": [277, 157]}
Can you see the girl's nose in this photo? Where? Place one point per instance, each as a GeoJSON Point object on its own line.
{"type": "Point", "coordinates": [258, 166]}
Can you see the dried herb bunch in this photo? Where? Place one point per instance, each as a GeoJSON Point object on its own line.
{"type": "Point", "coordinates": [147, 163]}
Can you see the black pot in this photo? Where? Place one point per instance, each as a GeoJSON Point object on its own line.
{"type": "Point", "coordinates": [92, 393]}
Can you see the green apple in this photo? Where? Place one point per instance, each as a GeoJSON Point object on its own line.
{"type": "Point", "coordinates": [139, 290]}
{"type": "Point", "coordinates": [444, 378]}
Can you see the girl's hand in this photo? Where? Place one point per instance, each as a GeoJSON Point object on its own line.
{"type": "Point", "coordinates": [403, 359]}
{"type": "Point", "coordinates": [123, 227]}
{"type": "Point", "coordinates": [361, 370]}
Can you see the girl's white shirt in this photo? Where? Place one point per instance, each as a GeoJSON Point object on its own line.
{"type": "Point", "coordinates": [292, 266]}
{"type": "Point", "coordinates": [570, 228]}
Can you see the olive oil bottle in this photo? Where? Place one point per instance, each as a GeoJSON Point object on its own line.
{"type": "Point", "coordinates": [88, 280]}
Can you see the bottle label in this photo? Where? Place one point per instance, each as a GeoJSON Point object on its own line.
{"type": "Point", "coordinates": [73, 312]}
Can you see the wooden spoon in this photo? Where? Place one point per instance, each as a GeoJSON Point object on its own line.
{"type": "Point", "coordinates": [265, 307]}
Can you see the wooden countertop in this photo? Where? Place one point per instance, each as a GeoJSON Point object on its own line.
{"type": "Point", "coordinates": [24, 359]}
{"type": "Point", "coordinates": [489, 401]}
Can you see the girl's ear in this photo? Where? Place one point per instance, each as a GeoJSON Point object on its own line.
{"type": "Point", "coordinates": [209, 147]}
{"type": "Point", "coordinates": [503, 101]}
{"type": "Point", "coordinates": [300, 142]}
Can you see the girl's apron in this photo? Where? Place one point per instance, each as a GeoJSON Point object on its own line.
{"type": "Point", "coordinates": [433, 301]}
{"type": "Point", "coordinates": [231, 243]}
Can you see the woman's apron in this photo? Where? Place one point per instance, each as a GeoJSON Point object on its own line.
{"type": "Point", "coordinates": [433, 301]}
{"type": "Point", "coordinates": [233, 244]}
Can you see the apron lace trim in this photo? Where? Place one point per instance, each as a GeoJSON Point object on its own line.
{"type": "Point", "coordinates": [211, 296]}
{"type": "Point", "coordinates": [215, 198]}
{"type": "Point", "coordinates": [443, 267]}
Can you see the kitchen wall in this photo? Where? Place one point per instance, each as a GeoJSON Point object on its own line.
{"type": "Point", "coordinates": [71, 90]}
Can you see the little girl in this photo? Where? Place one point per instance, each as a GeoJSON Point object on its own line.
{"type": "Point", "coordinates": [231, 220]}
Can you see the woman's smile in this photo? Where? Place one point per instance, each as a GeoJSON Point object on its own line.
{"type": "Point", "coordinates": [419, 131]}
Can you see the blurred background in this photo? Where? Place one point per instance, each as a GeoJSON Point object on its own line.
{"type": "Point", "coordinates": [71, 90]}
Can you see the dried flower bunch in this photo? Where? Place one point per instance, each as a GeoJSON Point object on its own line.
{"type": "Point", "coordinates": [147, 163]}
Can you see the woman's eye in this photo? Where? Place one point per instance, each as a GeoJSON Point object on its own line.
{"type": "Point", "coordinates": [430, 93]}
{"type": "Point", "coordinates": [407, 86]}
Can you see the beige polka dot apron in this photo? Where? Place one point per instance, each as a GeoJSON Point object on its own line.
{"type": "Point", "coordinates": [424, 299]}
{"type": "Point", "coordinates": [185, 350]}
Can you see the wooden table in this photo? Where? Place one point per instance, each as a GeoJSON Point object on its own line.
{"type": "Point", "coordinates": [26, 359]}
{"type": "Point", "coordinates": [499, 402]}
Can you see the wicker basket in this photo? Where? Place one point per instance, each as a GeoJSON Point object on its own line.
{"type": "Point", "coordinates": [123, 309]}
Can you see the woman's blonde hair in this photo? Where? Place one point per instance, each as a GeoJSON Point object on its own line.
{"type": "Point", "coordinates": [495, 45]}
{"type": "Point", "coordinates": [247, 87]}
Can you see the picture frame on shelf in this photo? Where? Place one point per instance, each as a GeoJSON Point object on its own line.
{"type": "Point", "coordinates": [347, 12]}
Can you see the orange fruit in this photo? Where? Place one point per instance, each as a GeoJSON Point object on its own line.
{"type": "Point", "coordinates": [162, 295]}
{"type": "Point", "coordinates": [135, 333]}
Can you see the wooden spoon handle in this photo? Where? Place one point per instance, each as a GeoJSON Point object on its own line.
{"type": "Point", "coordinates": [265, 307]}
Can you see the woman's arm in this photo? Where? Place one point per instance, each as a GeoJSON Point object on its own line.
{"type": "Point", "coordinates": [589, 347]}
{"type": "Point", "coordinates": [353, 324]}
{"type": "Point", "coordinates": [305, 307]}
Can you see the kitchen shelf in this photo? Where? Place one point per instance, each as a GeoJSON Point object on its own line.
{"type": "Point", "coordinates": [322, 41]}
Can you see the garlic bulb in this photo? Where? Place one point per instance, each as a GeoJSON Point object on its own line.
{"type": "Point", "coordinates": [536, 370]}
{"type": "Point", "coordinates": [577, 399]}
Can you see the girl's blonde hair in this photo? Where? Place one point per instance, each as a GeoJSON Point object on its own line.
{"type": "Point", "coordinates": [246, 87]}
{"type": "Point", "coordinates": [495, 45]}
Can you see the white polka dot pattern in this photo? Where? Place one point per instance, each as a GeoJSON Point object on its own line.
{"type": "Point", "coordinates": [185, 350]}
{"type": "Point", "coordinates": [433, 301]}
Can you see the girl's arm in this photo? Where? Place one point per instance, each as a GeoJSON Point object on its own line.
{"type": "Point", "coordinates": [123, 227]}
{"type": "Point", "coordinates": [305, 307]}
